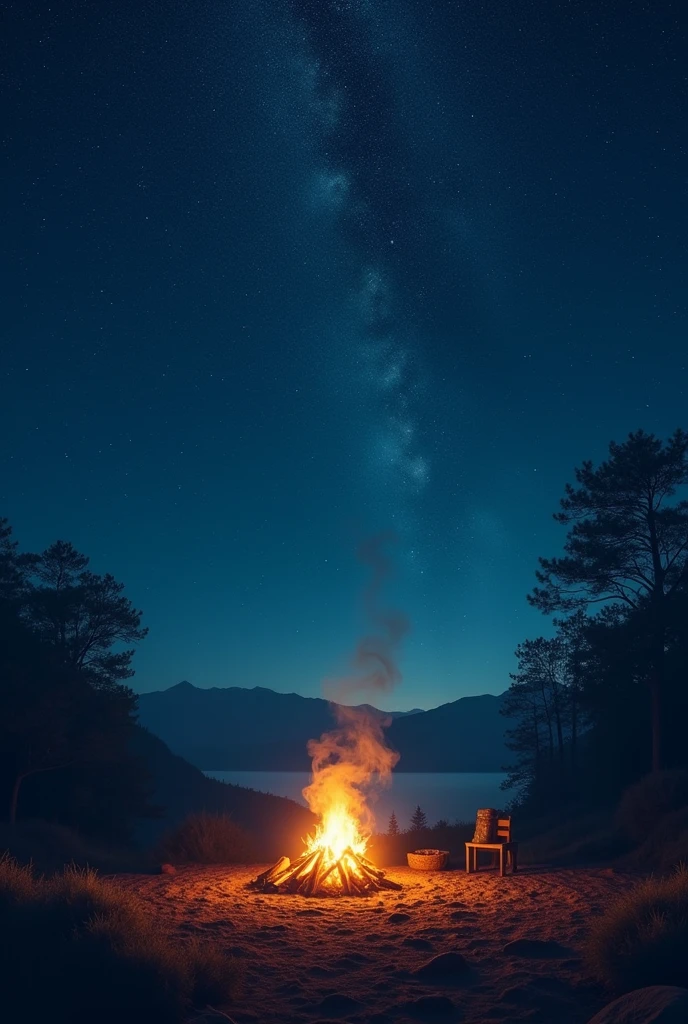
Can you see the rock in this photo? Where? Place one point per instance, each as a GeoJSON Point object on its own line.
{"type": "Point", "coordinates": [318, 971]}
{"type": "Point", "coordinates": [431, 1008]}
{"type": "Point", "coordinates": [444, 967]}
{"type": "Point", "coordinates": [338, 1005]}
{"type": "Point", "coordinates": [399, 918]}
{"type": "Point", "coordinates": [537, 949]}
{"type": "Point", "coordinates": [657, 1004]}
{"type": "Point", "coordinates": [168, 869]}
{"type": "Point", "coordinates": [516, 994]}
{"type": "Point", "coordinates": [347, 963]}
{"type": "Point", "coordinates": [417, 943]}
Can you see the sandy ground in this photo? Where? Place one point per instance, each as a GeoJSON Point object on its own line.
{"type": "Point", "coordinates": [310, 960]}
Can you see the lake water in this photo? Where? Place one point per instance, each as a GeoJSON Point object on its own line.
{"type": "Point", "coordinates": [452, 796]}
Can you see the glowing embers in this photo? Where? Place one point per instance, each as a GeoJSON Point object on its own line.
{"type": "Point", "coordinates": [319, 874]}
{"type": "Point", "coordinates": [334, 863]}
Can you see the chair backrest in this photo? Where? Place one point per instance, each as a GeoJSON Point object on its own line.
{"type": "Point", "coordinates": [504, 828]}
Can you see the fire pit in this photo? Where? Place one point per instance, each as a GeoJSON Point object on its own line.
{"type": "Point", "coordinates": [346, 763]}
{"type": "Point", "coordinates": [334, 864]}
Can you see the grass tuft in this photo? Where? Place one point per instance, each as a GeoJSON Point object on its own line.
{"type": "Point", "coordinates": [642, 939]}
{"type": "Point", "coordinates": [76, 947]}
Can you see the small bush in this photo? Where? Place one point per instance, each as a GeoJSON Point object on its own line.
{"type": "Point", "coordinates": [76, 948]}
{"type": "Point", "coordinates": [667, 845]}
{"type": "Point", "coordinates": [208, 839]}
{"type": "Point", "coordinates": [642, 939]}
{"type": "Point", "coordinates": [584, 839]}
{"type": "Point", "coordinates": [50, 847]}
{"type": "Point", "coordinates": [644, 805]}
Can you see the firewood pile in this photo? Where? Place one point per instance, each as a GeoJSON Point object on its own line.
{"type": "Point", "coordinates": [316, 874]}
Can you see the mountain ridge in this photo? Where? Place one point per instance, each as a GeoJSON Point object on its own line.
{"type": "Point", "coordinates": [185, 687]}
{"type": "Point", "coordinates": [258, 729]}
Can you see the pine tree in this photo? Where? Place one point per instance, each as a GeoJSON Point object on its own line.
{"type": "Point", "coordinates": [418, 820]}
{"type": "Point", "coordinates": [393, 825]}
{"type": "Point", "coordinates": [627, 545]}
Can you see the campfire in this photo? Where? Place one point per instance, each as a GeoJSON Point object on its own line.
{"type": "Point", "coordinates": [334, 863]}
{"type": "Point", "coordinates": [348, 764]}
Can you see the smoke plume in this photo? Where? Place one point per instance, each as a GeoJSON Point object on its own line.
{"type": "Point", "coordinates": [374, 662]}
{"type": "Point", "coordinates": [349, 762]}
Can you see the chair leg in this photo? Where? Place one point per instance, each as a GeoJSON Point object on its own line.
{"type": "Point", "coordinates": [468, 860]}
{"type": "Point", "coordinates": [501, 861]}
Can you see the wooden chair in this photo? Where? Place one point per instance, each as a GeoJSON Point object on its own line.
{"type": "Point", "coordinates": [505, 849]}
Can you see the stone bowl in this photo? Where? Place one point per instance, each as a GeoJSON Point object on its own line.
{"type": "Point", "coordinates": [427, 860]}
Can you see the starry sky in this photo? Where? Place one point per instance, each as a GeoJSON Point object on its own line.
{"type": "Point", "coordinates": [279, 276]}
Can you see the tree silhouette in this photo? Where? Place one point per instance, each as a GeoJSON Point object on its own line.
{"type": "Point", "coordinates": [37, 722]}
{"type": "Point", "coordinates": [574, 637]}
{"type": "Point", "coordinates": [67, 722]}
{"type": "Point", "coordinates": [523, 705]}
{"type": "Point", "coordinates": [626, 544]}
{"type": "Point", "coordinates": [544, 705]}
{"type": "Point", "coordinates": [14, 567]}
{"type": "Point", "coordinates": [83, 615]}
{"type": "Point", "coordinates": [418, 820]}
{"type": "Point", "coordinates": [393, 825]}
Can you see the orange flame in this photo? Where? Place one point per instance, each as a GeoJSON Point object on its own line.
{"type": "Point", "coordinates": [347, 763]}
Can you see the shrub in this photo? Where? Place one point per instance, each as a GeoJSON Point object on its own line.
{"type": "Point", "coordinates": [587, 838]}
{"type": "Point", "coordinates": [644, 805]}
{"type": "Point", "coordinates": [50, 847]}
{"type": "Point", "coordinates": [76, 948]}
{"type": "Point", "coordinates": [642, 939]}
{"type": "Point", "coordinates": [208, 839]}
{"type": "Point", "coordinates": [667, 845]}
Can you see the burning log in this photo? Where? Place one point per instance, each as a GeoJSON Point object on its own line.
{"type": "Point", "coordinates": [320, 873]}
{"type": "Point", "coordinates": [276, 869]}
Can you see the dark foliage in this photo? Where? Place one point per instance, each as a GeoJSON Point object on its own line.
{"type": "Point", "coordinates": [50, 848]}
{"type": "Point", "coordinates": [642, 939]}
{"type": "Point", "coordinates": [666, 847]}
{"type": "Point", "coordinates": [390, 850]}
{"type": "Point", "coordinates": [276, 825]}
{"type": "Point", "coordinates": [604, 701]}
{"type": "Point", "coordinates": [78, 776]}
{"type": "Point", "coordinates": [419, 821]}
{"type": "Point", "coordinates": [64, 744]}
{"type": "Point", "coordinates": [645, 804]}
{"type": "Point", "coordinates": [77, 948]}
{"type": "Point", "coordinates": [627, 544]}
{"type": "Point", "coordinates": [208, 839]}
{"type": "Point", "coordinates": [392, 825]}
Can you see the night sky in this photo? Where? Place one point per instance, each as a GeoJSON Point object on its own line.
{"type": "Point", "coordinates": [281, 275]}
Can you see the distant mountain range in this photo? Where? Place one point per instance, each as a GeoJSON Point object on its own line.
{"type": "Point", "coordinates": [236, 729]}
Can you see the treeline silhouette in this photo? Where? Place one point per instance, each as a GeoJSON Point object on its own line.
{"type": "Point", "coordinates": [603, 701]}
{"type": "Point", "coordinates": [67, 722]}
{"type": "Point", "coordinates": [72, 756]}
